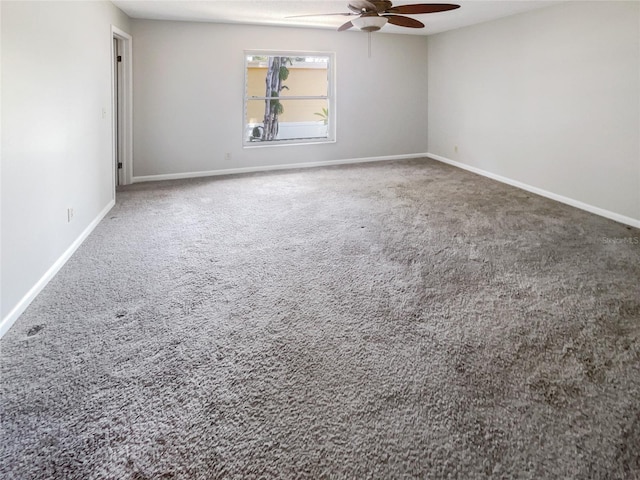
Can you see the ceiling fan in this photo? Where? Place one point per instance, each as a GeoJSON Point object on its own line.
{"type": "Point", "coordinates": [372, 15]}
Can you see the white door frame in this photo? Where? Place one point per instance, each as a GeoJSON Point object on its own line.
{"type": "Point", "coordinates": [126, 107]}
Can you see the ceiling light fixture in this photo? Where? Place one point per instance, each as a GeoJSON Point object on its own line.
{"type": "Point", "coordinates": [369, 23]}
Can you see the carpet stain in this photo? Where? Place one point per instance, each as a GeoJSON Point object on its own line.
{"type": "Point", "coordinates": [35, 330]}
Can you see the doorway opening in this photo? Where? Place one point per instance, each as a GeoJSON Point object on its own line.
{"type": "Point", "coordinates": [121, 95]}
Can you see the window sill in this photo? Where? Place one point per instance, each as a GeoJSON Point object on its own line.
{"type": "Point", "coordinates": [288, 143]}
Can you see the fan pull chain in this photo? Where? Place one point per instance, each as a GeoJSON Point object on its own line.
{"type": "Point", "coordinates": [369, 33]}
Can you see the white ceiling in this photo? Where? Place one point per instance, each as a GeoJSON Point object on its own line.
{"type": "Point", "coordinates": [275, 12]}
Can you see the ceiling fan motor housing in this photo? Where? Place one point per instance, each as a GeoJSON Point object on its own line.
{"type": "Point", "coordinates": [382, 5]}
{"type": "Point", "coordinates": [370, 6]}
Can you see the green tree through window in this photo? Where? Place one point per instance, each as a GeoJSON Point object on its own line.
{"type": "Point", "coordinates": [276, 74]}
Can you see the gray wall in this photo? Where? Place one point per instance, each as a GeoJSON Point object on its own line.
{"type": "Point", "coordinates": [56, 145]}
{"type": "Point", "coordinates": [189, 84]}
{"type": "Point", "coordinates": [549, 98]}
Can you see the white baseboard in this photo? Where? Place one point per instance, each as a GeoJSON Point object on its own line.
{"type": "Point", "coordinates": [22, 305]}
{"type": "Point", "coordinates": [265, 168]}
{"type": "Point", "coordinates": [539, 191]}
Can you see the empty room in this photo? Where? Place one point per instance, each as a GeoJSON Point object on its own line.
{"type": "Point", "coordinates": [320, 239]}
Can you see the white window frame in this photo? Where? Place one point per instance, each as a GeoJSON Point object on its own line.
{"type": "Point", "coordinates": [331, 99]}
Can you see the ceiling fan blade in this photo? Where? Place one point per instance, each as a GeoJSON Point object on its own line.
{"type": "Point", "coordinates": [359, 6]}
{"type": "Point", "coordinates": [422, 8]}
{"type": "Point", "coordinates": [345, 26]}
{"type": "Point", "coordinates": [346, 14]}
{"type": "Point", "coordinates": [404, 21]}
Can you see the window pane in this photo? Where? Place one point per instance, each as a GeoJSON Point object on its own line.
{"type": "Point", "coordinates": [297, 119]}
{"type": "Point", "coordinates": [307, 77]}
{"type": "Point", "coordinates": [256, 86]}
{"type": "Point", "coordinates": [300, 76]}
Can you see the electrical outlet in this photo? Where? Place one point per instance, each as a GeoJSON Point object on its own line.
{"type": "Point", "coordinates": [227, 156]}
{"type": "Point", "coordinates": [455, 148]}
{"type": "Point", "coordinates": [69, 214]}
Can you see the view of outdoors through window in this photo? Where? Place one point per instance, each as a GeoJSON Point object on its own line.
{"type": "Point", "coordinates": [287, 98]}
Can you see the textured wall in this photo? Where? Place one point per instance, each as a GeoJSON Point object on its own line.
{"type": "Point", "coordinates": [549, 98]}
{"type": "Point", "coordinates": [56, 144]}
{"type": "Point", "coordinates": [189, 82]}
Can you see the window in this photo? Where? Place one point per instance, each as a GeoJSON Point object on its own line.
{"type": "Point", "coordinates": [288, 98]}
